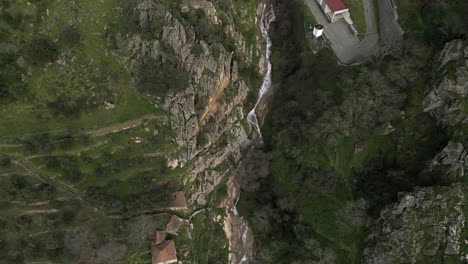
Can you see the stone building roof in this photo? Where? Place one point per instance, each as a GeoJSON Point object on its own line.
{"type": "Point", "coordinates": [159, 237]}
{"type": "Point", "coordinates": [174, 225]}
{"type": "Point", "coordinates": [179, 202]}
{"type": "Point", "coordinates": [164, 253]}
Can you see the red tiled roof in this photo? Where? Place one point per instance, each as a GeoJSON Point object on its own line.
{"type": "Point", "coordinates": [336, 5]}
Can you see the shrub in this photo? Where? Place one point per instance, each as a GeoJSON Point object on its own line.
{"type": "Point", "coordinates": [159, 78]}
{"type": "Point", "coordinates": [197, 49]}
{"type": "Point", "coordinates": [42, 50]}
{"type": "Point", "coordinates": [70, 36]}
{"type": "Point", "coordinates": [11, 84]}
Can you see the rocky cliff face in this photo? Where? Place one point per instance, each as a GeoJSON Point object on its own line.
{"type": "Point", "coordinates": [211, 109]}
{"type": "Point", "coordinates": [208, 117]}
{"type": "Point", "coordinates": [446, 99]}
{"type": "Point", "coordinates": [429, 223]}
{"type": "Point", "coordinates": [423, 225]}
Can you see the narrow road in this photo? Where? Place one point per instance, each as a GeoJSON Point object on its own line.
{"type": "Point", "coordinates": [347, 47]}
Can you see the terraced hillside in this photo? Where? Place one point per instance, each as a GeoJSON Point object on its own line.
{"type": "Point", "coordinates": [117, 116]}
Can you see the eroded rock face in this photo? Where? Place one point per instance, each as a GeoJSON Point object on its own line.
{"type": "Point", "coordinates": [452, 161]}
{"type": "Point", "coordinates": [446, 100]}
{"type": "Point", "coordinates": [424, 225]}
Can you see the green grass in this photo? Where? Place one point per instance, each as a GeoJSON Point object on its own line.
{"type": "Point", "coordinates": [209, 244]}
{"type": "Point", "coordinates": [410, 17]}
{"type": "Point", "coordinates": [309, 19]}
{"type": "Point", "coordinates": [23, 120]}
{"type": "Point", "coordinates": [246, 126]}
{"type": "Point", "coordinates": [29, 115]}
{"type": "Point", "coordinates": [377, 14]}
{"type": "Point", "coordinates": [356, 8]}
{"type": "Point", "coordinates": [372, 146]}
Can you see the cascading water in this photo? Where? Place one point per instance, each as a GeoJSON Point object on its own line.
{"type": "Point", "coordinates": [268, 16]}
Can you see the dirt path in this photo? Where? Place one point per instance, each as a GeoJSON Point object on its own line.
{"type": "Point", "coordinates": [122, 126]}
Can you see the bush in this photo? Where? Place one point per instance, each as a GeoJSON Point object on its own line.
{"type": "Point", "coordinates": [160, 78]}
{"type": "Point", "coordinates": [11, 84]}
{"type": "Point", "coordinates": [42, 50]}
{"type": "Point", "coordinates": [5, 162]}
{"type": "Point", "coordinates": [197, 49]}
{"type": "Point", "coordinates": [70, 36]}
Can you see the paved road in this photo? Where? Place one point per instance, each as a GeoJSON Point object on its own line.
{"type": "Point", "coordinates": [347, 47]}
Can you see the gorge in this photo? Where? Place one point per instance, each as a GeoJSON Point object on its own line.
{"type": "Point", "coordinates": [208, 131]}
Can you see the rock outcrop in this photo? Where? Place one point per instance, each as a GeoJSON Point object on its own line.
{"type": "Point", "coordinates": [446, 99]}
{"type": "Point", "coordinates": [452, 161]}
{"type": "Point", "coordinates": [421, 226]}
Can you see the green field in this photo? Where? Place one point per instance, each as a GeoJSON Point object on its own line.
{"type": "Point", "coordinates": [87, 89]}
{"type": "Point", "coordinates": [356, 8]}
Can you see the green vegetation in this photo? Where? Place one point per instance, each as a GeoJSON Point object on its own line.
{"type": "Point", "coordinates": [205, 229]}
{"type": "Point", "coordinates": [12, 87]}
{"type": "Point", "coordinates": [335, 160]}
{"type": "Point", "coordinates": [42, 50]}
{"type": "Point", "coordinates": [436, 21]}
{"type": "Point", "coordinates": [158, 78]}
{"type": "Point", "coordinates": [377, 14]}
{"type": "Point", "coordinates": [70, 36]}
{"type": "Point", "coordinates": [286, 53]}
{"type": "Point", "coordinates": [84, 140]}
{"type": "Point", "coordinates": [65, 94]}
{"type": "Point", "coordinates": [309, 19]}
{"type": "Point", "coordinates": [356, 8]}
{"type": "Point", "coordinates": [61, 79]}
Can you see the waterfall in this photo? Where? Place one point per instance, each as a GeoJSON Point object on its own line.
{"type": "Point", "coordinates": [241, 240]}
{"type": "Point", "coordinates": [268, 16]}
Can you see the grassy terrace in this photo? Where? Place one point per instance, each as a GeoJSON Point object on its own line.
{"type": "Point", "coordinates": [66, 98]}
{"type": "Point", "coordinates": [72, 85]}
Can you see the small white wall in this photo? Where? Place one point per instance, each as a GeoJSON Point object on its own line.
{"type": "Point", "coordinates": [341, 11]}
